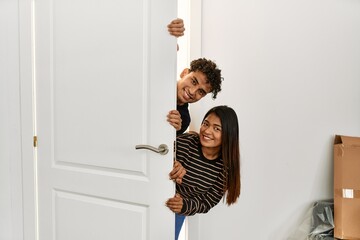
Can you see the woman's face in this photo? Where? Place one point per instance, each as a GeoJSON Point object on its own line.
{"type": "Point", "coordinates": [210, 131]}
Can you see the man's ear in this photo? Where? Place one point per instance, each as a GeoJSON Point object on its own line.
{"type": "Point", "coordinates": [184, 72]}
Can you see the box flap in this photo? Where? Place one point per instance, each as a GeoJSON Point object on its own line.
{"type": "Point", "coordinates": [347, 140]}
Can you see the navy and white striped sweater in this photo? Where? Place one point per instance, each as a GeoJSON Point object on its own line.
{"type": "Point", "coordinates": [202, 185]}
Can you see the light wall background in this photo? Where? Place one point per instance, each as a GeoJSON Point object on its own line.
{"type": "Point", "coordinates": [292, 73]}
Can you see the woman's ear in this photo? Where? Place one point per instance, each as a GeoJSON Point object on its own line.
{"type": "Point", "coordinates": [184, 72]}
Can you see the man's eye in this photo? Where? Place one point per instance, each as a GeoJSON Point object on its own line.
{"type": "Point", "coordinates": [202, 93]}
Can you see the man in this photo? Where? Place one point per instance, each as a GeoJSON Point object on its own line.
{"type": "Point", "coordinates": [202, 78]}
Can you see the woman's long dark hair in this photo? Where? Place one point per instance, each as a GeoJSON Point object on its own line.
{"type": "Point", "coordinates": [230, 151]}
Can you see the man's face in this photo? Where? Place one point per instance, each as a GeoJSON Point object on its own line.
{"type": "Point", "coordinates": [192, 87]}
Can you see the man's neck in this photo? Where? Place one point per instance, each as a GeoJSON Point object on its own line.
{"type": "Point", "coordinates": [180, 104]}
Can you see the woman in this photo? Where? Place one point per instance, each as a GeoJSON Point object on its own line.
{"type": "Point", "coordinates": [207, 166]}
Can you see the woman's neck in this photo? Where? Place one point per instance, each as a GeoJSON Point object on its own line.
{"type": "Point", "coordinates": [210, 153]}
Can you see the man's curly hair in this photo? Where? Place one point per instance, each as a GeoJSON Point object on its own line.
{"type": "Point", "coordinates": [212, 73]}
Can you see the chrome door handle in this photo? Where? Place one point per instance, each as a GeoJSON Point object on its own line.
{"type": "Point", "coordinates": [162, 149]}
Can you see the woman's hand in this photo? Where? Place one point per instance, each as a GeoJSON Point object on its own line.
{"type": "Point", "coordinates": [178, 172]}
{"type": "Point", "coordinates": [176, 27]}
{"type": "Point", "coordinates": [174, 118]}
{"type": "Point", "coordinates": [175, 203]}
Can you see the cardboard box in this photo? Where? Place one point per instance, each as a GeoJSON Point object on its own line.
{"type": "Point", "coordinates": [347, 187]}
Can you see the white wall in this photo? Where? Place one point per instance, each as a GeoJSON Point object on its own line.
{"type": "Point", "coordinates": [292, 73]}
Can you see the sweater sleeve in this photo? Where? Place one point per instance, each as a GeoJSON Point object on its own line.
{"type": "Point", "coordinates": [185, 118]}
{"type": "Point", "coordinates": [202, 203]}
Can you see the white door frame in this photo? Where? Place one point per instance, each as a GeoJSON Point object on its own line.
{"type": "Point", "coordinates": [190, 48]}
{"type": "Point", "coordinates": [26, 29]}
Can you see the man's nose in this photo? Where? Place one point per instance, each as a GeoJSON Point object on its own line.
{"type": "Point", "coordinates": [193, 91]}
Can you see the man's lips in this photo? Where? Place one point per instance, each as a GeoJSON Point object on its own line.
{"type": "Point", "coordinates": [187, 96]}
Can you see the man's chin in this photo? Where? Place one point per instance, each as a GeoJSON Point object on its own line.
{"type": "Point", "coordinates": [183, 102]}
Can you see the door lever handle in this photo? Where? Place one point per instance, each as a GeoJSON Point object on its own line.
{"type": "Point", "coordinates": [162, 149]}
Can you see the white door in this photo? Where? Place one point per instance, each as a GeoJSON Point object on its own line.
{"type": "Point", "coordinates": [105, 80]}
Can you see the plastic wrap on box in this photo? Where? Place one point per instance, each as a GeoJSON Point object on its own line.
{"type": "Point", "coordinates": [318, 223]}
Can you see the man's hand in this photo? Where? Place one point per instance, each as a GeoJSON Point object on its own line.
{"type": "Point", "coordinates": [175, 204]}
{"type": "Point", "coordinates": [174, 118]}
{"type": "Point", "coordinates": [178, 172]}
{"type": "Point", "coordinates": [176, 27]}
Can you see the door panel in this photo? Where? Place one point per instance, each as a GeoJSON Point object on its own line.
{"type": "Point", "coordinates": [105, 80]}
{"type": "Point", "coordinates": [72, 210]}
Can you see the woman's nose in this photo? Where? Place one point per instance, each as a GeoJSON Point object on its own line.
{"type": "Point", "coordinates": [207, 130]}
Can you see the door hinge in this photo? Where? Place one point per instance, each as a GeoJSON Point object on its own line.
{"type": "Point", "coordinates": [35, 141]}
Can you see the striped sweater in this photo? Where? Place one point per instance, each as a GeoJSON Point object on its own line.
{"type": "Point", "coordinates": [202, 185]}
